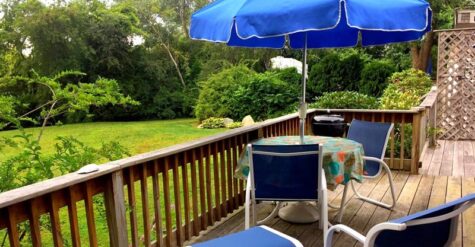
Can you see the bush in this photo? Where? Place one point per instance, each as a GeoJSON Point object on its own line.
{"type": "Point", "coordinates": [290, 76]}
{"type": "Point", "coordinates": [213, 123]}
{"type": "Point", "coordinates": [265, 96]}
{"type": "Point", "coordinates": [217, 92]}
{"type": "Point", "coordinates": [405, 89]}
{"type": "Point", "coordinates": [345, 100]}
{"type": "Point", "coordinates": [374, 77]}
{"type": "Point", "coordinates": [234, 125]}
{"type": "Point", "coordinates": [334, 73]}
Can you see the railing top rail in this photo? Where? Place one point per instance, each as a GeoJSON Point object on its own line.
{"type": "Point", "coordinates": [25, 193]}
{"type": "Point", "coordinates": [412, 111]}
{"type": "Point", "coordinates": [430, 99]}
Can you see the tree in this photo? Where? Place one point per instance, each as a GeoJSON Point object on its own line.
{"type": "Point", "coordinates": [443, 11]}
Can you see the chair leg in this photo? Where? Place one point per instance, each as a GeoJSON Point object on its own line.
{"type": "Point", "coordinates": [247, 205]}
{"type": "Point", "coordinates": [378, 203]}
{"type": "Point", "coordinates": [343, 202]}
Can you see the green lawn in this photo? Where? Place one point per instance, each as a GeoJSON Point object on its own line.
{"type": "Point", "coordinates": [138, 137]}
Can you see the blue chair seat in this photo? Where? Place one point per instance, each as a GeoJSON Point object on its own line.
{"type": "Point", "coordinates": [436, 227]}
{"type": "Point", "coordinates": [261, 236]}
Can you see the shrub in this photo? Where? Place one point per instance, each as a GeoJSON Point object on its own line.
{"type": "Point", "coordinates": [213, 123]}
{"type": "Point", "coordinates": [217, 92]}
{"type": "Point", "coordinates": [345, 100]}
{"type": "Point", "coordinates": [265, 96]}
{"type": "Point", "coordinates": [374, 77]}
{"type": "Point", "coordinates": [405, 89]}
{"type": "Point", "coordinates": [334, 73]}
{"type": "Point", "coordinates": [234, 125]}
{"type": "Point", "coordinates": [289, 75]}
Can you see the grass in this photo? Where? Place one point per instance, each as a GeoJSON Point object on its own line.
{"type": "Point", "coordinates": [138, 137]}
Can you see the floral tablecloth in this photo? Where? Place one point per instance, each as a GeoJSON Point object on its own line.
{"type": "Point", "coordinates": [342, 158]}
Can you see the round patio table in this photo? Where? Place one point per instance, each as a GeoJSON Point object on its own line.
{"type": "Point", "coordinates": [342, 161]}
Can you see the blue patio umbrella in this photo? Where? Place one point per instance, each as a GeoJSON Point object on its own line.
{"type": "Point", "coordinates": [307, 24]}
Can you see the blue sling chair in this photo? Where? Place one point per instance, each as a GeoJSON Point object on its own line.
{"type": "Point", "coordinates": [278, 173]}
{"type": "Point", "coordinates": [374, 138]}
{"type": "Point", "coordinates": [434, 227]}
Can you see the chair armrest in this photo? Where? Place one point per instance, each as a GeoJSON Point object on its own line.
{"type": "Point", "coordinates": [374, 159]}
{"type": "Point", "coordinates": [343, 228]}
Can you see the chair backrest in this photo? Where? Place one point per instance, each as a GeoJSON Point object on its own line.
{"type": "Point", "coordinates": [285, 172]}
{"type": "Point", "coordinates": [374, 137]}
{"type": "Point", "coordinates": [433, 227]}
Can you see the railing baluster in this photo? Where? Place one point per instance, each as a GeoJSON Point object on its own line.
{"type": "Point", "coordinates": [186, 195]}
{"type": "Point", "coordinates": [157, 205]}
{"type": "Point", "coordinates": [204, 219]}
{"type": "Point", "coordinates": [91, 224]}
{"type": "Point", "coordinates": [12, 229]}
{"type": "Point", "coordinates": [235, 160]}
{"type": "Point", "coordinates": [73, 217]}
{"type": "Point", "coordinates": [230, 173]}
{"type": "Point", "coordinates": [401, 157]}
{"type": "Point", "coordinates": [216, 180]}
{"type": "Point", "coordinates": [166, 192]}
{"type": "Point", "coordinates": [232, 151]}
{"type": "Point", "coordinates": [222, 164]}
{"type": "Point", "coordinates": [132, 207]}
{"type": "Point", "coordinates": [209, 198]}
{"type": "Point", "coordinates": [176, 189]}
{"type": "Point", "coordinates": [194, 195]}
{"type": "Point", "coordinates": [241, 182]}
{"type": "Point", "coordinates": [55, 223]}
{"type": "Point", "coordinates": [392, 165]}
{"type": "Point", "coordinates": [145, 211]}
{"type": "Point", "coordinates": [35, 223]}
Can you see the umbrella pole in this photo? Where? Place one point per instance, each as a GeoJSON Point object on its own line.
{"type": "Point", "coordinates": [303, 106]}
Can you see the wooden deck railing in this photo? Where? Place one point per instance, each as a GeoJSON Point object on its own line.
{"type": "Point", "coordinates": [161, 198]}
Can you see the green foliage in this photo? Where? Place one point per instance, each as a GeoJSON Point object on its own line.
{"type": "Point", "coordinates": [217, 92]}
{"type": "Point", "coordinates": [374, 77]}
{"type": "Point", "coordinates": [345, 100]}
{"type": "Point", "coordinates": [263, 97]}
{"type": "Point", "coordinates": [29, 165]}
{"type": "Point", "coordinates": [405, 90]}
{"type": "Point", "coordinates": [335, 73]}
{"type": "Point", "coordinates": [234, 125]}
{"type": "Point", "coordinates": [290, 76]}
{"type": "Point", "coordinates": [7, 111]}
{"type": "Point", "coordinates": [213, 123]}
{"type": "Point", "coordinates": [239, 91]}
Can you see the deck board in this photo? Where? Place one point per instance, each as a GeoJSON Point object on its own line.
{"type": "Point", "coordinates": [413, 192]}
{"type": "Point", "coordinates": [450, 158]}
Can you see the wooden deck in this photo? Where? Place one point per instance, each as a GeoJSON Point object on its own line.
{"type": "Point", "coordinates": [450, 158]}
{"type": "Point", "coordinates": [414, 193]}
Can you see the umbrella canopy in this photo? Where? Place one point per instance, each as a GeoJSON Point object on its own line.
{"type": "Point", "coordinates": [326, 23]}
{"type": "Point", "coordinates": [310, 24]}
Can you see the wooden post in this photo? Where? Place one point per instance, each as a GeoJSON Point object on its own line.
{"type": "Point", "coordinates": [415, 149]}
{"type": "Point", "coordinates": [115, 210]}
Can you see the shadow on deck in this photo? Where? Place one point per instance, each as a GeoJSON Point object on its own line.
{"type": "Point", "coordinates": [415, 193]}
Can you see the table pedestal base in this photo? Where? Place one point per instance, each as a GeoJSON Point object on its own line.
{"type": "Point", "coordinates": [299, 212]}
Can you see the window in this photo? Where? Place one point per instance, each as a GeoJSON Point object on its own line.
{"type": "Point", "coordinates": [464, 17]}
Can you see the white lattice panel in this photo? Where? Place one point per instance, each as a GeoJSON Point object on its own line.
{"type": "Point", "coordinates": [456, 84]}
